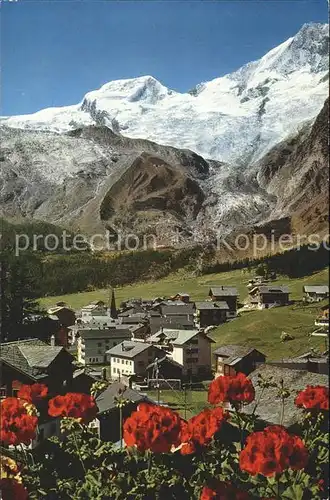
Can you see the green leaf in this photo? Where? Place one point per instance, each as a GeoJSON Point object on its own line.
{"type": "Point", "coordinates": [294, 492]}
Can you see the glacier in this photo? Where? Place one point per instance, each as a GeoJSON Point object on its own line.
{"type": "Point", "coordinates": [234, 119]}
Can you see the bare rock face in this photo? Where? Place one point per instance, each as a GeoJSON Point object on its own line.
{"type": "Point", "coordinates": [100, 164]}
{"type": "Point", "coordinates": [296, 171]}
{"type": "Point", "coordinates": [91, 179]}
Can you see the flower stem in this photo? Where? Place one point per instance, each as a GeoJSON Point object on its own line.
{"type": "Point", "coordinates": [121, 426]}
{"type": "Point", "coordinates": [149, 462]}
{"type": "Point", "coordinates": [258, 401]}
{"type": "Point", "coordinates": [240, 428]}
{"type": "Point", "coordinates": [24, 453]}
{"type": "Point", "coordinates": [78, 451]}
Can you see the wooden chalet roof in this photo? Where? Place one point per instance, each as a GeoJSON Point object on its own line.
{"type": "Point", "coordinates": [219, 290]}
{"type": "Point", "coordinates": [107, 400]}
{"type": "Point", "coordinates": [31, 357]}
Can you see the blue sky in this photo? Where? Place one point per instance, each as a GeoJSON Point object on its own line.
{"type": "Point", "coordinates": [53, 52]}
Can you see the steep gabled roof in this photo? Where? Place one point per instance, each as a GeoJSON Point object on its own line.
{"type": "Point", "coordinates": [208, 304]}
{"type": "Point", "coordinates": [274, 289]}
{"type": "Point", "coordinates": [177, 309]}
{"type": "Point", "coordinates": [163, 360]}
{"type": "Point", "coordinates": [176, 336]}
{"type": "Point", "coordinates": [128, 349]}
{"type": "Point", "coordinates": [31, 357]}
{"type": "Point", "coordinates": [39, 356]}
{"type": "Point", "coordinates": [321, 289]}
{"type": "Point", "coordinates": [107, 400]}
{"type": "Point", "coordinates": [175, 322]}
{"type": "Point", "coordinates": [56, 309]}
{"type": "Point", "coordinates": [219, 290]}
{"type": "Point", "coordinates": [234, 353]}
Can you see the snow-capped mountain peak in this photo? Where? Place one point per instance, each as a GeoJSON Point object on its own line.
{"type": "Point", "coordinates": [144, 88]}
{"type": "Point", "coordinates": [235, 118]}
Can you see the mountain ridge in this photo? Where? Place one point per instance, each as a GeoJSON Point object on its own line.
{"type": "Point", "coordinates": [96, 175]}
{"type": "Point", "coordinates": [234, 118]}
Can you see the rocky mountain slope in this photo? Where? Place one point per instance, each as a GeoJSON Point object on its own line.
{"type": "Point", "coordinates": [83, 168]}
{"type": "Point", "coordinates": [235, 118]}
{"type": "Point", "coordinates": [296, 171]}
{"type": "Point", "coordinates": [107, 181]}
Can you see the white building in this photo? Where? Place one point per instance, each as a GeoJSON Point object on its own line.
{"type": "Point", "coordinates": [132, 358]}
{"type": "Point", "coordinates": [316, 293]}
{"type": "Point", "coordinates": [190, 348]}
{"type": "Point", "coordinates": [94, 339]}
{"type": "Point", "coordinates": [94, 310]}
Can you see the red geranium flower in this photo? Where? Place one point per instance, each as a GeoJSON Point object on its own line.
{"type": "Point", "coordinates": [74, 405]}
{"type": "Point", "coordinates": [12, 490]}
{"type": "Point", "coordinates": [17, 426]}
{"type": "Point", "coordinates": [199, 430]}
{"type": "Point", "coordinates": [152, 427]}
{"type": "Point", "coordinates": [273, 451]}
{"type": "Point", "coordinates": [313, 398]}
{"type": "Point", "coordinates": [33, 393]}
{"type": "Point", "coordinates": [223, 490]}
{"type": "Point", "coordinates": [188, 448]}
{"type": "Point", "coordinates": [232, 389]}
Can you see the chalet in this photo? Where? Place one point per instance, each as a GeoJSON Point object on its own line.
{"type": "Point", "coordinates": [130, 308]}
{"type": "Point", "coordinates": [96, 308]}
{"type": "Point", "coordinates": [190, 348]}
{"type": "Point", "coordinates": [156, 300]}
{"type": "Point", "coordinates": [31, 361]}
{"type": "Point", "coordinates": [186, 310]}
{"type": "Point", "coordinates": [141, 323]}
{"type": "Point", "coordinates": [164, 368]}
{"type": "Point", "coordinates": [226, 294]}
{"type": "Point", "coordinates": [132, 312]}
{"type": "Point", "coordinates": [309, 361]}
{"type": "Point", "coordinates": [137, 305]}
{"type": "Point", "coordinates": [94, 339]}
{"type": "Point", "coordinates": [82, 380]}
{"type": "Point", "coordinates": [210, 313]}
{"type": "Point", "coordinates": [232, 359]}
{"type": "Point", "coordinates": [109, 413]}
{"type": "Point", "coordinates": [65, 315]}
{"type": "Point", "coordinates": [258, 281]}
{"type": "Point", "coordinates": [40, 326]}
{"type": "Point", "coordinates": [157, 306]}
{"type": "Point", "coordinates": [316, 293]}
{"type": "Point", "coordinates": [269, 296]}
{"type": "Point", "coordinates": [323, 318]}
{"type": "Point", "coordinates": [131, 358]}
{"type": "Point", "coordinates": [156, 322]}
{"type": "Point", "coordinates": [183, 297]}
{"type": "Point", "coordinates": [269, 402]}
{"type": "Point", "coordinates": [63, 337]}
{"type": "Point", "coordinates": [133, 318]}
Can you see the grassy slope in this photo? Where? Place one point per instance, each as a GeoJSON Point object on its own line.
{"type": "Point", "coordinates": [180, 282]}
{"type": "Point", "coordinates": [261, 329]}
